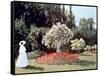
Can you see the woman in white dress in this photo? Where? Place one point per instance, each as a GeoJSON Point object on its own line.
{"type": "Point", "coordinates": [22, 60]}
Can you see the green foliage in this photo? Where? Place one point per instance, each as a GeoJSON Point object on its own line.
{"type": "Point", "coordinates": [86, 24]}
{"type": "Point", "coordinates": [86, 31]}
{"type": "Point", "coordinates": [89, 36]}
{"type": "Point", "coordinates": [21, 32]}
{"type": "Point", "coordinates": [32, 36]}
{"type": "Point", "coordinates": [20, 26]}
{"type": "Point", "coordinates": [21, 29]}
{"type": "Point", "coordinates": [90, 22]}
{"type": "Point", "coordinates": [43, 30]}
{"type": "Point", "coordinates": [83, 22]}
{"type": "Point", "coordinates": [34, 54]}
{"type": "Point", "coordinates": [35, 36]}
{"type": "Point", "coordinates": [43, 14]}
{"type": "Point", "coordinates": [34, 20]}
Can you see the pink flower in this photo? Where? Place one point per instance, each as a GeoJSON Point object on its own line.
{"type": "Point", "coordinates": [58, 58]}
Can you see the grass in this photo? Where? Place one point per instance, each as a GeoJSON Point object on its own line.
{"type": "Point", "coordinates": [86, 62]}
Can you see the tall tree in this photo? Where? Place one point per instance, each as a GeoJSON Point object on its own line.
{"type": "Point", "coordinates": [90, 22]}
{"type": "Point", "coordinates": [70, 18]}
{"type": "Point", "coordinates": [83, 22]}
{"type": "Point", "coordinates": [70, 15]}
{"type": "Point", "coordinates": [63, 9]}
{"type": "Point", "coordinates": [86, 23]}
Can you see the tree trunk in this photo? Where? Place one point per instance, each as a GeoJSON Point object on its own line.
{"type": "Point", "coordinates": [63, 9]}
{"type": "Point", "coordinates": [70, 16]}
{"type": "Point", "coordinates": [58, 47]}
{"type": "Point", "coordinates": [91, 27]}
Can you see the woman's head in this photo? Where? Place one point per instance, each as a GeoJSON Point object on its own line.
{"type": "Point", "coordinates": [22, 42]}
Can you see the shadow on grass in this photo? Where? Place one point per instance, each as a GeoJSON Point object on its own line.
{"type": "Point", "coordinates": [33, 68]}
{"type": "Point", "coordinates": [85, 63]}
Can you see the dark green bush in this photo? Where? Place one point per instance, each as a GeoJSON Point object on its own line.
{"type": "Point", "coordinates": [90, 37]}
{"type": "Point", "coordinates": [34, 54]}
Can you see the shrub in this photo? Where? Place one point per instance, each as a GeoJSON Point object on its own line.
{"type": "Point", "coordinates": [32, 37]}
{"type": "Point", "coordinates": [57, 36]}
{"type": "Point", "coordinates": [90, 37]}
{"type": "Point", "coordinates": [78, 45]}
{"type": "Point", "coordinates": [43, 30]}
{"type": "Point", "coordinates": [58, 58]}
{"type": "Point", "coordinates": [34, 54]}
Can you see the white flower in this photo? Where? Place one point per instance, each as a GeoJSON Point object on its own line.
{"type": "Point", "coordinates": [78, 44]}
{"type": "Point", "coordinates": [57, 33]}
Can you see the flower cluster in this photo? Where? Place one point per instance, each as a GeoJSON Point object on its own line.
{"type": "Point", "coordinates": [77, 44]}
{"type": "Point", "coordinates": [90, 49]}
{"type": "Point", "coordinates": [59, 33]}
{"type": "Point", "coordinates": [58, 58]}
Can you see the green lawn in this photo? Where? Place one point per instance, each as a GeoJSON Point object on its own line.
{"type": "Point", "coordinates": [86, 62]}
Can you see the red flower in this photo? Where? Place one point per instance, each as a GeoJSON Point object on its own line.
{"type": "Point", "coordinates": [58, 58]}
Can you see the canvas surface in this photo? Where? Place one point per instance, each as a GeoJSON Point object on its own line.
{"type": "Point", "coordinates": [53, 37]}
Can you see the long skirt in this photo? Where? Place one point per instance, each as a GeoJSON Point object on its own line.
{"type": "Point", "coordinates": [22, 60]}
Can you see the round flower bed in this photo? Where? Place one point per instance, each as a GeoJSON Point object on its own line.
{"type": "Point", "coordinates": [58, 58]}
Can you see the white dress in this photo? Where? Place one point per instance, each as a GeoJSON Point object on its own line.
{"type": "Point", "coordinates": [22, 60]}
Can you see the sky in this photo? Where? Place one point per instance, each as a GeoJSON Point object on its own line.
{"type": "Point", "coordinates": [84, 12]}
